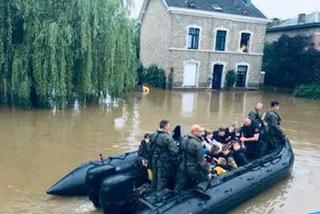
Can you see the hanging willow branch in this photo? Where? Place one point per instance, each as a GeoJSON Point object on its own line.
{"type": "Point", "coordinates": [54, 50]}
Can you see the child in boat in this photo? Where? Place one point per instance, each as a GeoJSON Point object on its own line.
{"type": "Point", "coordinates": [239, 154]}
{"type": "Point", "coordinates": [223, 160]}
{"type": "Point", "coordinates": [219, 135]}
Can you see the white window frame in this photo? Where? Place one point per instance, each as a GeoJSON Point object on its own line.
{"type": "Point", "coordinates": [250, 41]}
{"type": "Point", "coordinates": [223, 75]}
{"type": "Point", "coordinates": [248, 71]}
{"type": "Point", "coordinates": [187, 36]}
{"type": "Point", "coordinates": [215, 39]}
{"type": "Point", "coordinates": [192, 61]}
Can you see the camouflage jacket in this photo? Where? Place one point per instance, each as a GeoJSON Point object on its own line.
{"type": "Point", "coordinates": [192, 154]}
{"type": "Point", "coordinates": [162, 146]}
{"type": "Point", "coordinates": [255, 115]}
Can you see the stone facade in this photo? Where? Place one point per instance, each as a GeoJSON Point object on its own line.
{"type": "Point", "coordinates": [164, 38]}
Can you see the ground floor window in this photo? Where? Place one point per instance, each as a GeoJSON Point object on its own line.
{"type": "Point", "coordinates": [241, 75]}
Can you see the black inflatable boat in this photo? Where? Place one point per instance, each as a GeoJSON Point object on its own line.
{"type": "Point", "coordinates": [116, 185]}
{"type": "Point", "coordinates": [74, 183]}
{"type": "Point", "coordinates": [120, 193]}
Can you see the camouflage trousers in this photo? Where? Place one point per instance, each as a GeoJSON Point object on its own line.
{"type": "Point", "coordinates": [190, 176]}
{"type": "Point", "coordinates": [163, 175]}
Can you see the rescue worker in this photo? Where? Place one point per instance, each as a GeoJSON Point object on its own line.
{"type": "Point", "coordinates": [255, 114]}
{"type": "Point", "coordinates": [193, 168]}
{"type": "Point", "coordinates": [164, 150]}
{"type": "Point", "coordinates": [273, 120]}
{"type": "Point", "coordinates": [250, 134]}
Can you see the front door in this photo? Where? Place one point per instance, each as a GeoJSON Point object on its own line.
{"type": "Point", "coordinates": [190, 74]}
{"type": "Point", "coordinates": [217, 76]}
{"type": "Point", "coordinates": [241, 75]}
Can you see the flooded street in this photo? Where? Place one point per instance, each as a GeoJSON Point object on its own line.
{"type": "Point", "coordinates": [39, 147]}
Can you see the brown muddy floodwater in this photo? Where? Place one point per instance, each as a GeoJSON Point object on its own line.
{"type": "Point", "coordinates": [39, 147]}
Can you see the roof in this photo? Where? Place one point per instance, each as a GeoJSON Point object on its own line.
{"type": "Point", "coordinates": [311, 20]}
{"type": "Point", "coordinates": [235, 7]}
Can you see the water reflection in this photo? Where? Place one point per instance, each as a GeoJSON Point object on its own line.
{"type": "Point", "coordinates": [188, 103]}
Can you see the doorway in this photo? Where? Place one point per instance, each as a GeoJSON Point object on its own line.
{"type": "Point", "coordinates": [217, 76]}
{"type": "Point", "coordinates": [241, 76]}
{"type": "Point", "coordinates": [190, 74]}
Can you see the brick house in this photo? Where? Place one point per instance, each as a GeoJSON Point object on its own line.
{"type": "Point", "coordinates": [303, 25]}
{"type": "Point", "coordinates": [203, 39]}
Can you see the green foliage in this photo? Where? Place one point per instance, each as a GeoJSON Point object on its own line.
{"type": "Point", "coordinates": [308, 91]}
{"type": "Point", "coordinates": [290, 62]}
{"type": "Point", "coordinates": [155, 76]}
{"type": "Point", "coordinates": [51, 50]}
{"type": "Point", "coordinates": [230, 79]}
{"type": "Point", "coordinates": [170, 78]}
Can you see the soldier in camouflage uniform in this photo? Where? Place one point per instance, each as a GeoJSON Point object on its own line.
{"type": "Point", "coordinates": [272, 120]}
{"type": "Point", "coordinates": [164, 150]}
{"type": "Point", "coordinates": [193, 168]}
{"type": "Point", "coordinates": [255, 114]}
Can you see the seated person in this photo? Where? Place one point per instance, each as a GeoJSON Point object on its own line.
{"type": "Point", "coordinates": [208, 143]}
{"type": "Point", "coordinates": [228, 155]}
{"type": "Point", "coordinates": [250, 135]}
{"type": "Point", "coordinates": [220, 135]}
{"type": "Point", "coordinates": [239, 154]}
{"type": "Point", "coordinates": [144, 148]}
{"type": "Point", "coordinates": [144, 154]}
{"type": "Point", "coordinates": [225, 162]}
{"type": "Point", "coordinates": [231, 134]}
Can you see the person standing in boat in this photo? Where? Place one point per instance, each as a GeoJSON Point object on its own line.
{"type": "Point", "coordinates": [272, 121]}
{"type": "Point", "coordinates": [164, 150]}
{"type": "Point", "coordinates": [250, 135]}
{"type": "Point", "coordinates": [193, 168]}
{"type": "Point", "coordinates": [255, 114]}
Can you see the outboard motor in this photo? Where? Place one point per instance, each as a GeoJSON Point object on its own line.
{"type": "Point", "coordinates": [94, 178]}
{"type": "Point", "coordinates": [116, 194]}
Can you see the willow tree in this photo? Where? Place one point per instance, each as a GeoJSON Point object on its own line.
{"type": "Point", "coordinates": [52, 51]}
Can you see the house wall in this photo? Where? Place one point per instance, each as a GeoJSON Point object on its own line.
{"type": "Point", "coordinates": [206, 54]}
{"type": "Point", "coordinates": [163, 42]}
{"type": "Point", "coordinates": [154, 37]}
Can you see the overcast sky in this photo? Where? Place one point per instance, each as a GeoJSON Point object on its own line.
{"type": "Point", "coordinates": [273, 8]}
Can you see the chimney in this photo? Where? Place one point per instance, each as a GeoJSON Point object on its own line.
{"type": "Point", "coordinates": [275, 22]}
{"type": "Point", "coordinates": [302, 18]}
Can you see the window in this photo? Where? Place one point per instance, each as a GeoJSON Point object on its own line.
{"type": "Point", "coordinates": [193, 38]}
{"type": "Point", "coordinates": [245, 42]}
{"type": "Point", "coordinates": [221, 40]}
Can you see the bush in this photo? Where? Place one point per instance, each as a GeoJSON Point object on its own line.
{"type": "Point", "coordinates": [308, 91]}
{"type": "Point", "coordinates": [291, 62]}
{"type": "Point", "coordinates": [170, 79]}
{"type": "Point", "coordinates": [155, 77]}
{"type": "Point", "coordinates": [230, 79]}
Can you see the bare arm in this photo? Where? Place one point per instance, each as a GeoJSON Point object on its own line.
{"type": "Point", "coordinates": [254, 138]}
